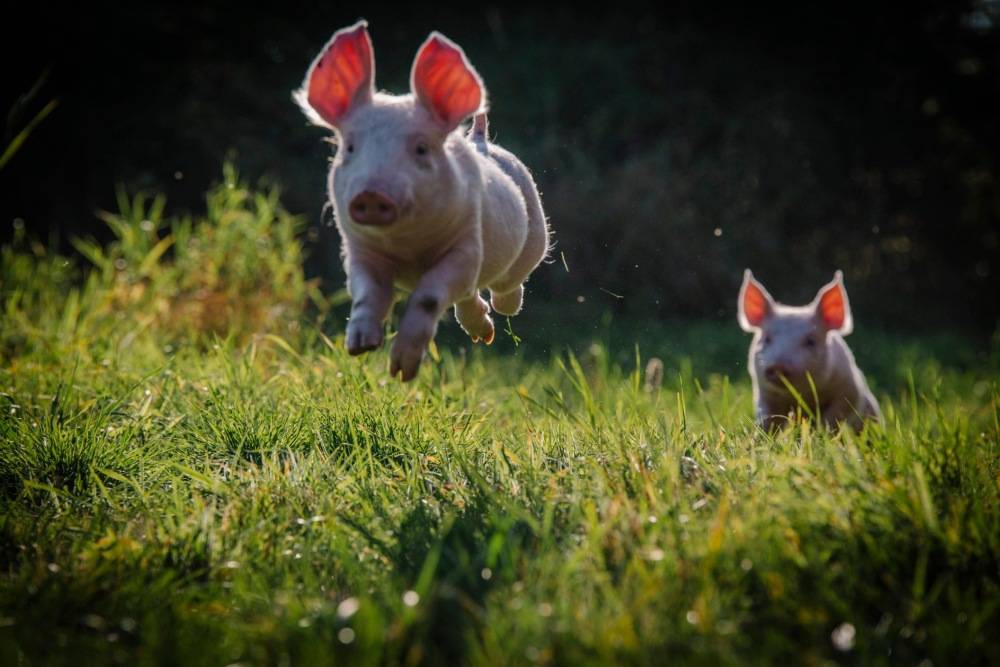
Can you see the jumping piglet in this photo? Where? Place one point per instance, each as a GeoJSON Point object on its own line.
{"type": "Point", "coordinates": [793, 342]}
{"type": "Point", "coordinates": [419, 205]}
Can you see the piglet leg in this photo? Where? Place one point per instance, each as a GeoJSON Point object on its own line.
{"type": "Point", "coordinates": [452, 279]}
{"type": "Point", "coordinates": [473, 315]}
{"type": "Point", "coordinates": [370, 286]}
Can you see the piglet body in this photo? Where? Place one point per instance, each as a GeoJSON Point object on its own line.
{"type": "Point", "coordinates": [419, 205]}
{"type": "Point", "coordinates": [796, 343]}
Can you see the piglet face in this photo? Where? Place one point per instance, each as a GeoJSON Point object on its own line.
{"type": "Point", "coordinates": [393, 163]}
{"type": "Point", "coordinates": [791, 342]}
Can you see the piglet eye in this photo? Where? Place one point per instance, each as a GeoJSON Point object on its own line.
{"type": "Point", "coordinates": [810, 341]}
{"type": "Point", "coordinates": [767, 340]}
{"type": "Point", "coordinates": [421, 148]}
{"type": "Point", "coordinates": [350, 148]}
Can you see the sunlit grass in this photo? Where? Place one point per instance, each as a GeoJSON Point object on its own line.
{"type": "Point", "coordinates": [175, 494]}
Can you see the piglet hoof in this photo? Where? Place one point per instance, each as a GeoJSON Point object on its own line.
{"type": "Point", "coordinates": [404, 360]}
{"type": "Point", "coordinates": [362, 336]}
{"type": "Point", "coordinates": [482, 331]}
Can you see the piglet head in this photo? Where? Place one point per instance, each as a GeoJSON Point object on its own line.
{"type": "Point", "coordinates": [792, 341]}
{"type": "Point", "coordinates": [392, 163]}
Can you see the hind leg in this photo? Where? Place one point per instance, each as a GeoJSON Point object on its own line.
{"type": "Point", "coordinates": [473, 315]}
{"type": "Point", "coordinates": [507, 302]}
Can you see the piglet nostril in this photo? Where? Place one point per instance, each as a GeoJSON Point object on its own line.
{"type": "Point", "coordinates": [773, 373]}
{"type": "Point", "coordinates": [372, 208]}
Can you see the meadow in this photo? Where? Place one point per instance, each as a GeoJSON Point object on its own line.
{"type": "Point", "coordinates": [193, 471]}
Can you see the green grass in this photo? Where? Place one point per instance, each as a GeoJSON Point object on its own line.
{"type": "Point", "coordinates": [174, 491]}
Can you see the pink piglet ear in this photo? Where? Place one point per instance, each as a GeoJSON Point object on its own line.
{"type": "Point", "coordinates": [754, 305]}
{"type": "Point", "coordinates": [341, 78]}
{"type": "Point", "coordinates": [832, 307]}
{"type": "Point", "coordinates": [443, 81]}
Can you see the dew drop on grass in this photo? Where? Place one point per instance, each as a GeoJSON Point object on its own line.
{"type": "Point", "coordinates": [346, 635]}
{"type": "Point", "coordinates": [486, 573]}
{"type": "Point", "coordinates": [348, 607]}
{"type": "Point", "coordinates": [656, 555]}
{"type": "Point", "coordinates": [411, 598]}
{"type": "Point", "coordinates": [693, 617]}
{"type": "Point", "coordinates": [746, 564]}
{"type": "Point", "coordinates": [545, 610]}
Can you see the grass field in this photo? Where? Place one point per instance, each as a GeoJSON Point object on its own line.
{"type": "Point", "coordinates": [193, 471]}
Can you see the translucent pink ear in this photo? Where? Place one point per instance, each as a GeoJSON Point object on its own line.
{"type": "Point", "coordinates": [443, 80]}
{"type": "Point", "coordinates": [755, 304]}
{"type": "Point", "coordinates": [341, 78]}
{"type": "Point", "coordinates": [832, 306]}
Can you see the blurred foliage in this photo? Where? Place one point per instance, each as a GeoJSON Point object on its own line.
{"type": "Point", "coordinates": [16, 132]}
{"type": "Point", "coordinates": [234, 271]}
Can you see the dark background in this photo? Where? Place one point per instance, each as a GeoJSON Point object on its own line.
{"type": "Point", "coordinates": [673, 148]}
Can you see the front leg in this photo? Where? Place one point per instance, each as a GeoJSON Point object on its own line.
{"type": "Point", "coordinates": [771, 420]}
{"type": "Point", "coordinates": [452, 279]}
{"type": "Point", "coordinates": [842, 410]}
{"type": "Point", "coordinates": [369, 283]}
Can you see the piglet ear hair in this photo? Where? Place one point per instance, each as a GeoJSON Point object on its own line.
{"type": "Point", "coordinates": [445, 83]}
{"type": "Point", "coordinates": [755, 304]}
{"type": "Point", "coordinates": [832, 307]}
{"type": "Point", "coordinates": [341, 78]}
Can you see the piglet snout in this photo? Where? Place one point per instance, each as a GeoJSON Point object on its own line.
{"type": "Point", "coordinates": [372, 208]}
{"type": "Point", "coordinates": [774, 372]}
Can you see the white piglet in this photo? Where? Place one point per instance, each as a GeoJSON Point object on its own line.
{"type": "Point", "coordinates": [418, 204]}
{"type": "Point", "coordinates": [796, 343]}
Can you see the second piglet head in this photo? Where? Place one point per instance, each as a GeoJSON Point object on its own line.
{"type": "Point", "coordinates": [392, 165]}
{"type": "Point", "coordinates": [792, 341]}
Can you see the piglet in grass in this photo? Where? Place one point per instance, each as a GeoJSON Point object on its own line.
{"type": "Point", "coordinates": [794, 344]}
{"type": "Point", "coordinates": [419, 205]}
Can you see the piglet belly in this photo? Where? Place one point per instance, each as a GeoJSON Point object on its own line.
{"type": "Point", "coordinates": [504, 225]}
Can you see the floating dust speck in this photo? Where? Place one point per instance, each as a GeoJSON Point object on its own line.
{"type": "Point", "coordinates": [843, 637]}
